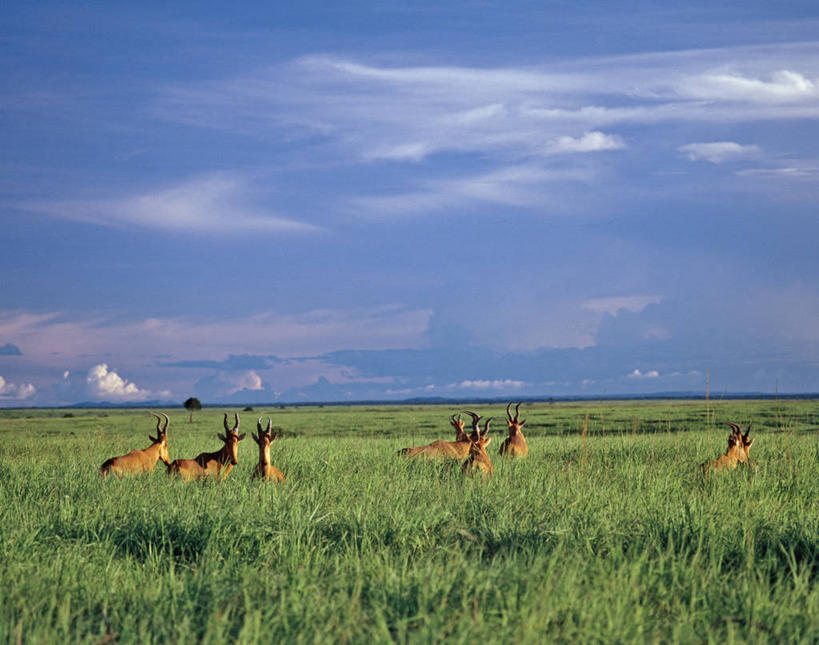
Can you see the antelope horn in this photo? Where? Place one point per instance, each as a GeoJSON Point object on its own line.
{"type": "Point", "coordinates": [259, 425]}
{"type": "Point", "coordinates": [167, 421]}
{"type": "Point", "coordinates": [486, 428]}
{"type": "Point", "coordinates": [735, 427]}
{"type": "Point", "coordinates": [508, 414]}
{"type": "Point", "coordinates": [236, 427]}
{"type": "Point", "coordinates": [269, 424]}
{"type": "Point", "coordinates": [747, 432]}
{"type": "Point", "coordinates": [158, 420]}
{"type": "Point", "coordinates": [474, 416]}
{"type": "Point", "coordinates": [517, 414]}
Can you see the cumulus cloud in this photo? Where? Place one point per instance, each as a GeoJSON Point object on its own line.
{"type": "Point", "coordinates": [13, 391]}
{"type": "Point", "coordinates": [720, 151]}
{"type": "Point", "coordinates": [638, 374]}
{"type": "Point", "coordinates": [107, 384]}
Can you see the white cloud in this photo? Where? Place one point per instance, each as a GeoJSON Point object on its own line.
{"type": "Point", "coordinates": [18, 392]}
{"type": "Point", "coordinates": [107, 384]}
{"type": "Point", "coordinates": [589, 142]}
{"type": "Point", "coordinates": [488, 384]}
{"type": "Point", "coordinates": [217, 203]}
{"type": "Point", "coordinates": [720, 151]}
{"type": "Point", "coordinates": [778, 86]}
{"type": "Point", "coordinates": [637, 374]}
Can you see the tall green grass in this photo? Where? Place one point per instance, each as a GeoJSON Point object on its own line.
{"type": "Point", "coordinates": [607, 536]}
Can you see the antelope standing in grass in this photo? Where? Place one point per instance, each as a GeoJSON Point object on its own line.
{"type": "Point", "coordinates": [141, 461]}
{"type": "Point", "coordinates": [738, 451]}
{"type": "Point", "coordinates": [478, 458]}
{"type": "Point", "coordinates": [515, 444]}
{"type": "Point", "coordinates": [212, 464]}
{"type": "Point", "coordinates": [264, 470]}
{"type": "Point", "coordinates": [457, 449]}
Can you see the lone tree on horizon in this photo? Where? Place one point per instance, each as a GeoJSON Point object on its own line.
{"type": "Point", "coordinates": [191, 405]}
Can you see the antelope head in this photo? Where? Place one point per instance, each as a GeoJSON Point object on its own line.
{"type": "Point", "coordinates": [161, 438]}
{"type": "Point", "coordinates": [514, 423]}
{"type": "Point", "coordinates": [458, 424]}
{"type": "Point", "coordinates": [741, 444]}
{"type": "Point", "coordinates": [231, 438]}
{"type": "Point", "coordinates": [476, 431]}
{"type": "Point", "coordinates": [265, 437]}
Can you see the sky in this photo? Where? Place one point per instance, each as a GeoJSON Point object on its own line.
{"type": "Point", "coordinates": [283, 202]}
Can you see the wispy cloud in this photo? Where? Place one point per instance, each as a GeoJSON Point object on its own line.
{"type": "Point", "coordinates": [216, 203]}
{"type": "Point", "coordinates": [613, 304]}
{"type": "Point", "coordinates": [720, 151]}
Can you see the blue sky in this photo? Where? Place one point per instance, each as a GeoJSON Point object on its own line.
{"type": "Point", "coordinates": [331, 201]}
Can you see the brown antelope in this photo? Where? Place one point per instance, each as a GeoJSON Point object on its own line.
{"type": "Point", "coordinates": [264, 470]}
{"type": "Point", "coordinates": [515, 444]}
{"type": "Point", "coordinates": [141, 461]}
{"type": "Point", "coordinates": [478, 459]}
{"type": "Point", "coordinates": [212, 464]}
{"type": "Point", "coordinates": [738, 451]}
{"type": "Point", "coordinates": [457, 449]}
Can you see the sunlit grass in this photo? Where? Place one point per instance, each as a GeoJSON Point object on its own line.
{"type": "Point", "coordinates": [608, 536]}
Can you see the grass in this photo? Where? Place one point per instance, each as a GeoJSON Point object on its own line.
{"type": "Point", "coordinates": [607, 535]}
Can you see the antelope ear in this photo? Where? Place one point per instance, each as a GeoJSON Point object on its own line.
{"type": "Point", "coordinates": [221, 436]}
{"type": "Point", "coordinates": [522, 423]}
{"type": "Point", "coordinates": [242, 436]}
{"type": "Point", "coordinates": [752, 442]}
{"type": "Point", "coordinates": [486, 441]}
{"type": "Point", "coordinates": [255, 438]}
{"type": "Point", "coordinates": [152, 439]}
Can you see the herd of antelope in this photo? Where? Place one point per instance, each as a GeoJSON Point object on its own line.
{"type": "Point", "coordinates": [468, 448]}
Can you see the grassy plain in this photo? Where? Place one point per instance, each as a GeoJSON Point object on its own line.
{"type": "Point", "coordinates": [603, 535]}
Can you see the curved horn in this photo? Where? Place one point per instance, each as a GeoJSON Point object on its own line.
{"type": "Point", "coordinates": [167, 421]}
{"type": "Point", "coordinates": [259, 425]}
{"type": "Point", "coordinates": [735, 428]}
{"type": "Point", "coordinates": [517, 414]}
{"type": "Point", "coordinates": [158, 420]}
{"type": "Point", "coordinates": [474, 416]}
{"type": "Point", "coordinates": [508, 414]}
{"type": "Point", "coordinates": [236, 427]}
{"type": "Point", "coordinates": [269, 424]}
{"type": "Point", "coordinates": [226, 423]}
{"type": "Point", "coordinates": [486, 428]}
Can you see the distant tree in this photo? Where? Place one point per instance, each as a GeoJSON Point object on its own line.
{"type": "Point", "coordinates": [191, 405]}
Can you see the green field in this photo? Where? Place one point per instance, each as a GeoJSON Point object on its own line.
{"type": "Point", "coordinates": [603, 535]}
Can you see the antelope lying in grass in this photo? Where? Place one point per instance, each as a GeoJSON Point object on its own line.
{"type": "Point", "coordinates": [515, 444]}
{"type": "Point", "coordinates": [457, 449]}
{"type": "Point", "coordinates": [738, 451]}
{"type": "Point", "coordinates": [212, 464]}
{"type": "Point", "coordinates": [141, 461]}
{"type": "Point", "coordinates": [478, 459]}
{"type": "Point", "coordinates": [264, 470]}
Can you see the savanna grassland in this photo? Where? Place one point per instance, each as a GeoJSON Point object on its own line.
{"type": "Point", "coordinates": [607, 533]}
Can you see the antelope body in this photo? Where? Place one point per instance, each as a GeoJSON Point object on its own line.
{"type": "Point", "coordinates": [477, 460]}
{"type": "Point", "coordinates": [141, 461]}
{"type": "Point", "coordinates": [264, 470]}
{"type": "Point", "coordinates": [738, 451]}
{"type": "Point", "coordinates": [457, 449]}
{"type": "Point", "coordinates": [214, 465]}
{"type": "Point", "coordinates": [515, 444]}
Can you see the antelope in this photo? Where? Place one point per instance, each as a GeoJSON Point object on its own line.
{"type": "Point", "coordinates": [457, 449]}
{"type": "Point", "coordinates": [211, 464]}
{"type": "Point", "coordinates": [141, 461]}
{"type": "Point", "coordinates": [737, 453]}
{"type": "Point", "coordinates": [515, 444]}
{"type": "Point", "coordinates": [264, 470]}
{"type": "Point", "coordinates": [478, 459]}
